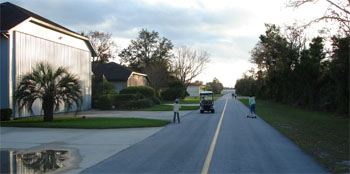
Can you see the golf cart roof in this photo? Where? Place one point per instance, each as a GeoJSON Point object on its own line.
{"type": "Point", "coordinates": [206, 93]}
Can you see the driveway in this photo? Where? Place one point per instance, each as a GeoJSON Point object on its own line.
{"type": "Point", "coordinates": [160, 115]}
{"type": "Point", "coordinates": [86, 146]}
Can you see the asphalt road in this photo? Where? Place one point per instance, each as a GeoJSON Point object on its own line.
{"type": "Point", "coordinates": [244, 145]}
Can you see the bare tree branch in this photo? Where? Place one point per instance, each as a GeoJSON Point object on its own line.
{"type": "Point", "coordinates": [105, 47]}
{"type": "Point", "coordinates": [337, 11]}
{"type": "Point", "coordinates": [188, 63]}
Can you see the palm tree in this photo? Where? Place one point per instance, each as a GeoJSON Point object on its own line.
{"type": "Point", "coordinates": [52, 88]}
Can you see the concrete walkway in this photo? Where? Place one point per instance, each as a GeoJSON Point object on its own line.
{"type": "Point", "coordinates": [86, 146]}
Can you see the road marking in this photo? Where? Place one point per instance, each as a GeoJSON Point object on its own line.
{"type": "Point", "coordinates": [207, 161]}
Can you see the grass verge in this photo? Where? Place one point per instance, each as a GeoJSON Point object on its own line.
{"type": "Point", "coordinates": [168, 108]}
{"type": "Point", "coordinates": [85, 123]}
{"type": "Point", "coordinates": [192, 100]}
{"type": "Point", "coordinates": [325, 137]}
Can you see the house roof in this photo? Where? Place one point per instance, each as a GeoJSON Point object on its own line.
{"type": "Point", "coordinates": [113, 71]}
{"type": "Point", "coordinates": [11, 15]}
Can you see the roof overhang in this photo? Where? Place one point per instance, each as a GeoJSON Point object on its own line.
{"type": "Point", "coordinates": [61, 30]}
{"type": "Point", "coordinates": [58, 29]}
{"type": "Point", "coordinates": [141, 74]}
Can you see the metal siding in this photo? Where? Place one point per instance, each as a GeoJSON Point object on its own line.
{"type": "Point", "coordinates": [4, 72]}
{"type": "Point", "coordinates": [31, 50]}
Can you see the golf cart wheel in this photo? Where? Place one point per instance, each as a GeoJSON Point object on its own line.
{"type": "Point", "coordinates": [212, 111]}
{"type": "Point", "coordinates": [201, 111]}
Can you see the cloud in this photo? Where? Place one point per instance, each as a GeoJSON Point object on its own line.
{"type": "Point", "coordinates": [227, 29]}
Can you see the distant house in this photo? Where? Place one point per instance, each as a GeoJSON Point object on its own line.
{"type": "Point", "coordinates": [120, 76]}
{"type": "Point", "coordinates": [194, 89]}
{"type": "Point", "coordinates": [26, 39]}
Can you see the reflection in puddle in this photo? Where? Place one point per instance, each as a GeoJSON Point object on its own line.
{"type": "Point", "coordinates": [32, 162]}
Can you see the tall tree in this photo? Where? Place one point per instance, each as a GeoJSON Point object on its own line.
{"type": "Point", "coordinates": [149, 54]}
{"type": "Point", "coordinates": [188, 63]}
{"type": "Point", "coordinates": [147, 49]}
{"type": "Point", "coordinates": [51, 87]}
{"type": "Point", "coordinates": [339, 69]}
{"type": "Point", "coordinates": [309, 73]}
{"type": "Point", "coordinates": [103, 44]}
{"type": "Point", "coordinates": [216, 85]}
{"type": "Point", "coordinates": [273, 55]}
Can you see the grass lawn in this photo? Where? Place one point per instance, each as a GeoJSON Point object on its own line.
{"type": "Point", "coordinates": [192, 100]}
{"type": "Point", "coordinates": [163, 107]}
{"type": "Point", "coordinates": [85, 123]}
{"type": "Point", "coordinates": [324, 136]}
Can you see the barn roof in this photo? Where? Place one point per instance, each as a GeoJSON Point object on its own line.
{"type": "Point", "coordinates": [113, 71]}
{"type": "Point", "coordinates": [11, 15]}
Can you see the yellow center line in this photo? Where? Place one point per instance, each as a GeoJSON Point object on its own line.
{"type": "Point", "coordinates": [207, 161]}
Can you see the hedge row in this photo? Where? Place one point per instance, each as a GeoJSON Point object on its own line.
{"type": "Point", "coordinates": [129, 98]}
{"type": "Point", "coordinates": [138, 97]}
{"type": "Point", "coordinates": [173, 93]}
{"type": "Point", "coordinates": [5, 114]}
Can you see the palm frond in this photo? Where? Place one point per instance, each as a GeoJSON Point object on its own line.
{"type": "Point", "coordinates": [43, 83]}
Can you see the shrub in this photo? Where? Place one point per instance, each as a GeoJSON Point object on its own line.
{"type": "Point", "coordinates": [146, 91]}
{"type": "Point", "coordinates": [128, 97]}
{"type": "Point", "coordinates": [141, 103]}
{"type": "Point", "coordinates": [112, 97]}
{"type": "Point", "coordinates": [108, 88]}
{"type": "Point", "coordinates": [5, 114]}
{"type": "Point", "coordinates": [173, 93]}
{"type": "Point", "coordinates": [104, 102]}
{"type": "Point", "coordinates": [156, 100]}
{"type": "Point", "coordinates": [121, 100]}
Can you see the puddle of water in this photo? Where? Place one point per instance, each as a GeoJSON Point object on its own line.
{"type": "Point", "coordinates": [31, 162]}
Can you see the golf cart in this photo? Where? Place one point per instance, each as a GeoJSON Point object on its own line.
{"type": "Point", "coordinates": [207, 101]}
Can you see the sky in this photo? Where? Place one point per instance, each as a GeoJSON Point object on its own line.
{"type": "Point", "coordinates": [227, 29]}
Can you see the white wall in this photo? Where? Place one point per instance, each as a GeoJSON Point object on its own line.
{"type": "Point", "coordinates": [119, 85]}
{"type": "Point", "coordinates": [193, 91]}
{"type": "Point", "coordinates": [34, 43]}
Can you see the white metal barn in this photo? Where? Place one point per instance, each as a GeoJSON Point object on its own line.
{"type": "Point", "coordinates": [27, 39]}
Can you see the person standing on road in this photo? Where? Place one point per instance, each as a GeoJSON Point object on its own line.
{"type": "Point", "coordinates": [252, 104]}
{"type": "Point", "coordinates": [176, 109]}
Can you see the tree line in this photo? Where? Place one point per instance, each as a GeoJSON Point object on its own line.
{"type": "Point", "coordinates": [294, 70]}
{"type": "Point", "coordinates": [292, 73]}
{"type": "Point", "coordinates": [166, 66]}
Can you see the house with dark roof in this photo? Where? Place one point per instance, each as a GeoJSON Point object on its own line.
{"type": "Point", "coordinates": [26, 39]}
{"type": "Point", "coordinates": [120, 76]}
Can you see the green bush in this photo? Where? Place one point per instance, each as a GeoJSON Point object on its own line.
{"type": "Point", "coordinates": [112, 97]}
{"type": "Point", "coordinates": [128, 97]}
{"type": "Point", "coordinates": [108, 88]}
{"type": "Point", "coordinates": [5, 114]}
{"type": "Point", "coordinates": [146, 91]}
{"type": "Point", "coordinates": [141, 103]}
{"type": "Point", "coordinates": [156, 100]}
{"type": "Point", "coordinates": [173, 93]}
{"type": "Point", "coordinates": [104, 102]}
{"type": "Point", "coordinates": [121, 100]}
